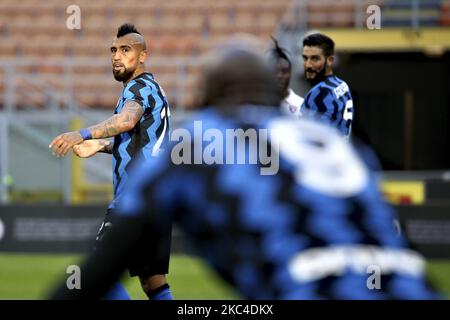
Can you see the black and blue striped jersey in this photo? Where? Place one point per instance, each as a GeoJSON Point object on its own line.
{"type": "Point", "coordinates": [316, 228]}
{"type": "Point", "coordinates": [330, 101]}
{"type": "Point", "coordinates": [148, 136]}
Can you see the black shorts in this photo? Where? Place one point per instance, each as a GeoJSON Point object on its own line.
{"type": "Point", "coordinates": [152, 255]}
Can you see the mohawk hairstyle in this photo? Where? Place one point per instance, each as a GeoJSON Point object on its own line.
{"type": "Point", "coordinates": [279, 52]}
{"type": "Point", "coordinates": [125, 29]}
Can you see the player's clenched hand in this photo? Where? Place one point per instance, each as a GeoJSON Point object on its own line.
{"type": "Point", "coordinates": [64, 142]}
{"type": "Point", "coordinates": [87, 148]}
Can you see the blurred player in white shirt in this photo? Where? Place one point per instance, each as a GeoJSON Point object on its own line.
{"type": "Point", "coordinates": [292, 102]}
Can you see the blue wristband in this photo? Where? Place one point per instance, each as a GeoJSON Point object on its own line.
{"type": "Point", "coordinates": [85, 134]}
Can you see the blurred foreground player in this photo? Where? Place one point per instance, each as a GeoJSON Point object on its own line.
{"type": "Point", "coordinates": [140, 127]}
{"type": "Point", "coordinates": [309, 229]}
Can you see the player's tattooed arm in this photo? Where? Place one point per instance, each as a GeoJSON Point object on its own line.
{"type": "Point", "coordinates": [122, 122]}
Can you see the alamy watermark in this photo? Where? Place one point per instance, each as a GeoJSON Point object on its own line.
{"type": "Point", "coordinates": [373, 21]}
{"type": "Point", "coordinates": [74, 280]}
{"type": "Point", "coordinates": [374, 279]}
{"type": "Point", "coordinates": [237, 146]}
{"type": "Point", "coordinates": [73, 21]}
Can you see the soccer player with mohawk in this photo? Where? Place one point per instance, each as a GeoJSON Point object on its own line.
{"type": "Point", "coordinates": [140, 127]}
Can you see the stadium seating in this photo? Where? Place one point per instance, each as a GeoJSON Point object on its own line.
{"type": "Point", "coordinates": [177, 32]}
{"type": "Point", "coordinates": [398, 13]}
{"type": "Point", "coordinates": [445, 13]}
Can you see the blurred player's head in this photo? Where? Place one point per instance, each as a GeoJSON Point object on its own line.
{"type": "Point", "coordinates": [128, 53]}
{"type": "Point", "coordinates": [282, 65]}
{"type": "Point", "coordinates": [318, 57]}
{"type": "Point", "coordinates": [236, 73]}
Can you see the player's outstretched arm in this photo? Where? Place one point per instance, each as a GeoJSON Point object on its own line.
{"type": "Point", "coordinates": [122, 122]}
{"type": "Point", "coordinates": [64, 142]}
{"type": "Point", "coordinates": [88, 148]}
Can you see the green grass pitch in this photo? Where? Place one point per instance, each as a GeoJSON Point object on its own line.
{"type": "Point", "coordinates": [32, 276]}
